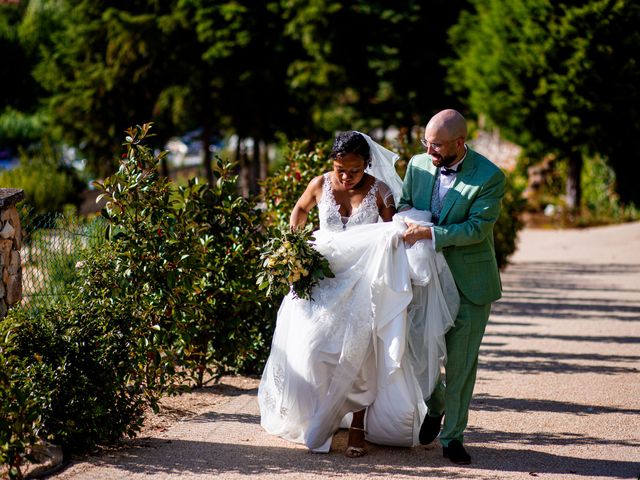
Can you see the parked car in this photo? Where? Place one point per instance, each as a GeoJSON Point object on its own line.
{"type": "Point", "coordinates": [187, 149]}
{"type": "Point", "coordinates": [8, 158]}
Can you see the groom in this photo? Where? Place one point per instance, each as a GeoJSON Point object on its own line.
{"type": "Point", "coordinates": [463, 190]}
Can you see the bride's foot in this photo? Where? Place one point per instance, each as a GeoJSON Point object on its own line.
{"type": "Point", "coordinates": [356, 446]}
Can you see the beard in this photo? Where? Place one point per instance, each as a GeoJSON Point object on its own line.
{"type": "Point", "coordinates": [443, 161]}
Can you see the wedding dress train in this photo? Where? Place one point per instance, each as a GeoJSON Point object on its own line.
{"type": "Point", "coordinates": [373, 336]}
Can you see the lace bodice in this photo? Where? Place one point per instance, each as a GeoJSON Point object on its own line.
{"type": "Point", "coordinates": [329, 210]}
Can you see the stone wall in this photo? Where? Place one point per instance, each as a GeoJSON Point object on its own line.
{"type": "Point", "coordinates": [10, 244]}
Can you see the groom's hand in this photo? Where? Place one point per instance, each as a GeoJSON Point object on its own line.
{"type": "Point", "coordinates": [414, 232]}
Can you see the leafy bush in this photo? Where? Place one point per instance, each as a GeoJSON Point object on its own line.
{"type": "Point", "coordinates": [600, 202]}
{"type": "Point", "coordinates": [509, 223]}
{"type": "Point", "coordinates": [19, 410]}
{"type": "Point", "coordinates": [187, 257]}
{"type": "Point", "coordinates": [171, 295]}
{"type": "Point", "coordinates": [82, 373]}
{"type": "Point", "coordinates": [47, 185]}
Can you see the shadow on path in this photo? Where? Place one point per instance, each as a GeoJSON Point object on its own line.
{"type": "Point", "coordinates": [561, 291]}
{"type": "Point", "coordinates": [492, 403]}
{"type": "Point", "coordinates": [218, 459]}
{"type": "Point", "coordinates": [536, 362]}
{"type": "Point", "coordinates": [567, 338]}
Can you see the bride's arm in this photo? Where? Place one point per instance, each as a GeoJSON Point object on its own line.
{"type": "Point", "coordinates": [305, 203]}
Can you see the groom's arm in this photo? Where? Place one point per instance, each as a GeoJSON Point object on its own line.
{"type": "Point", "coordinates": [414, 232]}
{"type": "Point", "coordinates": [406, 200]}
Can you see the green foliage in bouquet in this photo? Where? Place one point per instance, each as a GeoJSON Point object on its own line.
{"type": "Point", "coordinates": [289, 261]}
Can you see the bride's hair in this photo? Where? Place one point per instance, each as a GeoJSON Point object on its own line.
{"type": "Point", "coordinates": [350, 142]}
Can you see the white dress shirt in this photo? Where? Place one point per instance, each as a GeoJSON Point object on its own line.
{"type": "Point", "coordinates": [446, 182]}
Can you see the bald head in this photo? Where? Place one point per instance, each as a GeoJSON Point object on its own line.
{"type": "Point", "coordinates": [444, 137]}
{"type": "Point", "coordinates": [449, 123]}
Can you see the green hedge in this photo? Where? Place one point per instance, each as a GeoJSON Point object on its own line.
{"type": "Point", "coordinates": [20, 409]}
{"type": "Point", "coordinates": [169, 298]}
{"type": "Point", "coordinates": [505, 231]}
{"type": "Point", "coordinates": [82, 373]}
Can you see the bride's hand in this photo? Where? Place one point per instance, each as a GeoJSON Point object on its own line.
{"type": "Point", "coordinates": [414, 232]}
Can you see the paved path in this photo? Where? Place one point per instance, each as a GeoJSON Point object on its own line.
{"type": "Point", "coordinates": [557, 397]}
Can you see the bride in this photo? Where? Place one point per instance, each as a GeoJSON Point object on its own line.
{"type": "Point", "coordinates": [367, 351]}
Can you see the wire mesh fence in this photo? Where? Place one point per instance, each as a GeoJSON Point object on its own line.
{"type": "Point", "coordinates": [52, 246]}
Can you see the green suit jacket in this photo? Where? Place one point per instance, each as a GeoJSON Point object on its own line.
{"type": "Point", "coordinates": [464, 232]}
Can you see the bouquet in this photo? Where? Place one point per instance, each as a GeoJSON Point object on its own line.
{"type": "Point", "coordinates": [290, 262]}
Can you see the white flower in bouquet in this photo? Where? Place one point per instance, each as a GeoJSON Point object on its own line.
{"type": "Point", "coordinates": [290, 262]}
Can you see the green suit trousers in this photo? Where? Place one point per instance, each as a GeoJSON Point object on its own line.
{"type": "Point", "coordinates": [453, 396]}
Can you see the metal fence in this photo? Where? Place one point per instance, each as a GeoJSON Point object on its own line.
{"type": "Point", "coordinates": [52, 246]}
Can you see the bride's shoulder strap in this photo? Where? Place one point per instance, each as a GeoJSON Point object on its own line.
{"type": "Point", "coordinates": [325, 184]}
{"type": "Point", "coordinates": [384, 192]}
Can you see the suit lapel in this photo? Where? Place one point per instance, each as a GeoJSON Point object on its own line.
{"type": "Point", "coordinates": [468, 168]}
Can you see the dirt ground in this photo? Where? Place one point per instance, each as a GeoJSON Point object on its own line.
{"type": "Point", "coordinates": [189, 405]}
{"type": "Point", "coordinates": [557, 394]}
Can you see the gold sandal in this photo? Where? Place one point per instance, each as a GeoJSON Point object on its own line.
{"type": "Point", "coordinates": [355, 452]}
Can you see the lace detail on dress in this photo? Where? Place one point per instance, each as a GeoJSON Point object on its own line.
{"type": "Point", "coordinates": [329, 210]}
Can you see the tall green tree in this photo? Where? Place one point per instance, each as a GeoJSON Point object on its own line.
{"type": "Point", "coordinates": [21, 120]}
{"type": "Point", "coordinates": [104, 69]}
{"type": "Point", "coordinates": [249, 67]}
{"type": "Point", "coordinates": [242, 47]}
{"type": "Point", "coordinates": [371, 63]}
{"type": "Point", "coordinates": [184, 64]}
{"type": "Point", "coordinates": [557, 78]}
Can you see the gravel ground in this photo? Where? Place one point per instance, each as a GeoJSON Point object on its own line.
{"type": "Point", "coordinates": [557, 396]}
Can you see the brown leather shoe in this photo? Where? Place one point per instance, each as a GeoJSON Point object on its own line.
{"type": "Point", "coordinates": [456, 453]}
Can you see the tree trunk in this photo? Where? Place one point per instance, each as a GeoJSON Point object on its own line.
{"type": "Point", "coordinates": [164, 167]}
{"type": "Point", "coordinates": [574, 190]}
{"type": "Point", "coordinates": [158, 144]}
{"type": "Point", "coordinates": [238, 153]}
{"type": "Point", "coordinates": [255, 165]}
{"type": "Point", "coordinates": [264, 162]}
{"type": "Point", "coordinates": [245, 175]}
{"type": "Point", "coordinates": [409, 135]}
{"type": "Point", "coordinates": [206, 153]}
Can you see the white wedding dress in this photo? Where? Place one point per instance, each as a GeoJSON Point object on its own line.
{"type": "Point", "coordinates": [373, 336]}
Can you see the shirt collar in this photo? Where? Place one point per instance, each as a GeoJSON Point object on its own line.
{"type": "Point", "coordinates": [456, 166]}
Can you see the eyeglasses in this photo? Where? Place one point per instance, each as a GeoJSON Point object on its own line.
{"type": "Point", "coordinates": [436, 146]}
